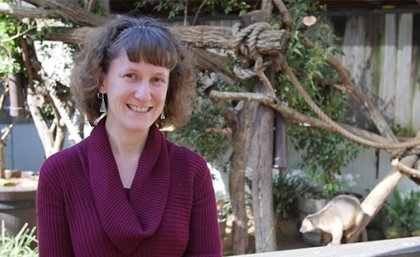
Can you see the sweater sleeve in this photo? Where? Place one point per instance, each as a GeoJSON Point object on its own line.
{"type": "Point", "coordinates": [53, 230]}
{"type": "Point", "coordinates": [204, 239]}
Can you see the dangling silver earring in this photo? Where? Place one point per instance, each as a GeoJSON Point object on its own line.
{"type": "Point", "coordinates": [101, 96]}
{"type": "Point", "coordinates": [162, 115]}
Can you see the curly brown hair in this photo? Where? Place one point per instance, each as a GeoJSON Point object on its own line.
{"type": "Point", "coordinates": [143, 39]}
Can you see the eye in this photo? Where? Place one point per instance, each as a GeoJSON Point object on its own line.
{"type": "Point", "coordinates": [130, 75]}
{"type": "Point", "coordinates": [158, 80]}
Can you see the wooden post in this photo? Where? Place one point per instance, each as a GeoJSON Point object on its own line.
{"type": "Point", "coordinates": [262, 181]}
{"type": "Point", "coordinates": [262, 163]}
{"type": "Point", "coordinates": [15, 94]}
{"type": "Point", "coordinates": [280, 151]}
{"type": "Point", "coordinates": [242, 134]}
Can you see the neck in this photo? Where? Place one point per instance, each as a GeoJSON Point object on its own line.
{"type": "Point", "coordinates": [125, 143]}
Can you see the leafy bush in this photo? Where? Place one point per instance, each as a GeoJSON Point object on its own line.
{"type": "Point", "coordinates": [404, 212]}
{"type": "Point", "coordinates": [286, 189]}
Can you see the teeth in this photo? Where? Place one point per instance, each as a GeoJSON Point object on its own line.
{"type": "Point", "coordinates": [138, 109]}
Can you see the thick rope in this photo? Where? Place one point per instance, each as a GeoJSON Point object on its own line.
{"type": "Point", "coordinates": [337, 127]}
{"type": "Point", "coordinates": [245, 44]}
{"type": "Point", "coordinates": [400, 153]}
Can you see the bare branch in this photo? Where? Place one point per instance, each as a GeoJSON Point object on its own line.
{"type": "Point", "coordinates": [19, 34]}
{"type": "Point", "coordinates": [333, 124]}
{"type": "Point", "coordinates": [357, 95]}
{"type": "Point", "coordinates": [64, 113]}
{"type": "Point", "coordinates": [198, 12]}
{"type": "Point", "coordinates": [267, 7]}
{"type": "Point", "coordinates": [3, 97]}
{"type": "Point", "coordinates": [5, 132]}
{"type": "Point", "coordinates": [21, 12]}
{"type": "Point", "coordinates": [212, 62]}
{"type": "Point", "coordinates": [92, 5]}
{"type": "Point", "coordinates": [54, 9]}
{"type": "Point", "coordinates": [405, 169]}
{"type": "Point", "coordinates": [287, 18]}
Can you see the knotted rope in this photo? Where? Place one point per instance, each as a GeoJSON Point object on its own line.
{"type": "Point", "coordinates": [245, 45]}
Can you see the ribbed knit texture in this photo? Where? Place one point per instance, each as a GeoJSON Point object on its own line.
{"type": "Point", "coordinates": [84, 211]}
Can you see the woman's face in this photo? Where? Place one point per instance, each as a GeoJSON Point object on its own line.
{"type": "Point", "coordinates": [136, 93]}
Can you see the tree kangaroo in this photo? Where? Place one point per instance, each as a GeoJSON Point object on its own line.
{"type": "Point", "coordinates": [342, 214]}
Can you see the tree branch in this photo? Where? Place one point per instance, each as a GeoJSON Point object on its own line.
{"type": "Point", "coordinates": [212, 62]}
{"type": "Point", "coordinates": [405, 169]}
{"type": "Point", "coordinates": [3, 97]}
{"type": "Point", "coordinates": [270, 42]}
{"type": "Point", "coordinates": [198, 11]}
{"type": "Point", "coordinates": [91, 5]}
{"type": "Point", "coordinates": [357, 95]}
{"type": "Point", "coordinates": [22, 12]}
{"type": "Point", "coordinates": [5, 132]}
{"type": "Point", "coordinates": [291, 114]}
{"type": "Point", "coordinates": [267, 7]}
{"type": "Point", "coordinates": [287, 18]}
{"type": "Point", "coordinates": [64, 113]}
{"type": "Point", "coordinates": [54, 9]}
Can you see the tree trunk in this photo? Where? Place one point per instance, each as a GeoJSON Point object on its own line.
{"type": "Point", "coordinates": [2, 161]}
{"type": "Point", "coordinates": [242, 134]}
{"type": "Point", "coordinates": [52, 137]}
{"type": "Point", "coordinates": [262, 161]}
{"type": "Point", "coordinates": [5, 132]}
{"type": "Point", "coordinates": [66, 112]}
{"type": "Point", "coordinates": [262, 182]}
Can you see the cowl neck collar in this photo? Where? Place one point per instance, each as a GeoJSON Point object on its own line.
{"type": "Point", "coordinates": [128, 222]}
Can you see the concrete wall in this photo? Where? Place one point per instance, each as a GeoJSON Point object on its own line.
{"type": "Point", "coordinates": [367, 170]}
{"type": "Point", "coordinates": [24, 150]}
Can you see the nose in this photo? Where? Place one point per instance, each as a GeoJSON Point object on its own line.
{"type": "Point", "coordinates": [143, 91]}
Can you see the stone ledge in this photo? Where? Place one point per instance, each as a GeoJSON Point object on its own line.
{"type": "Point", "coordinates": [401, 247]}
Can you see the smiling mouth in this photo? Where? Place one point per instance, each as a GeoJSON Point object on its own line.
{"type": "Point", "coordinates": [137, 108]}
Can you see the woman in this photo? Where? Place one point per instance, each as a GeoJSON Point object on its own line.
{"type": "Point", "coordinates": [125, 190]}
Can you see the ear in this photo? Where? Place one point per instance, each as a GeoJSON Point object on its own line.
{"type": "Point", "coordinates": [101, 85]}
{"type": "Point", "coordinates": [304, 227]}
{"type": "Point", "coordinates": [310, 225]}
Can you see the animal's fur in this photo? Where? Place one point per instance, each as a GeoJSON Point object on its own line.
{"type": "Point", "coordinates": [342, 214]}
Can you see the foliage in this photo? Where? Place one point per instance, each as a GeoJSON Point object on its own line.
{"type": "Point", "coordinates": [10, 51]}
{"type": "Point", "coordinates": [404, 212]}
{"type": "Point", "coordinates": [20, 245]}
{"type": "Point", "coordinates": [174, 8]}
{"type": "Point", "coordinates": [286, 189]}
{"type": "Point", "coordinates": [324, 153]}
{"type": "Point", "coordinates": [206, 132]}
{"type": "Point", "coordinates": [399, 130]}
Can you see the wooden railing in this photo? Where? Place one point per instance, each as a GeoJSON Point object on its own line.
{"type": "Point", "coordinates": [402, 247]}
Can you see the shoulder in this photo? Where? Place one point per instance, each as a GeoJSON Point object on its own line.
{"type": "Point", "coordinates": [191, 161]}
{"type": "Point", "coordinates": [58, 165]}
{"type": "Point", "coordinates": [191, 158]}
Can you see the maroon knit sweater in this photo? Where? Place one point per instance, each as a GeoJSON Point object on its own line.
{"type": "Point", "coordinates": [84, 211]}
